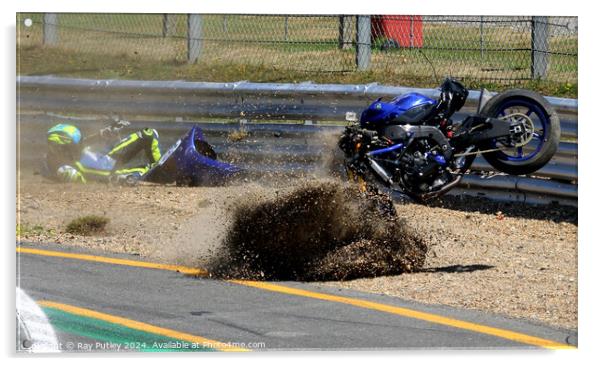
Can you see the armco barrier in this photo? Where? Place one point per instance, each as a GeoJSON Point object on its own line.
{"type": "Point", "coordinates": [272, 102]}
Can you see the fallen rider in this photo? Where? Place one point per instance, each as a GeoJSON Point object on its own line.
{"type": "Point", "coordinates": [69, 160]}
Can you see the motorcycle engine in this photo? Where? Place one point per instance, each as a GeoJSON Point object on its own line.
{"type": "Point", "coordinates": [419, 167]}
{"type": "Point", "coordinates": [424, 167]}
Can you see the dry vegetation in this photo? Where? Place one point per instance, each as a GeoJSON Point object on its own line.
{"type": "Point", "coordinates": [87, 225]}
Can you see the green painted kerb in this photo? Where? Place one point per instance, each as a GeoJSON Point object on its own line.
{"type": "Point", "coordinates": [114, 337]}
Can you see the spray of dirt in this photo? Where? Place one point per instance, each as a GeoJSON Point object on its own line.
{"type": "Point", "coordinates": [200, 237]}
{"type": "Point", "coordinates": [330, 164]}
{"type": "Point", "coordinates": [319, 230]}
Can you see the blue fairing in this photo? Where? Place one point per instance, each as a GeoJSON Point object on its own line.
{"type": "Point", "coordinates": [204, 170]}
{"type": "Point", "coordinates": [380, 112]}
{"type": "Point", "coordinates": [184, 163]}
{"type": "Point", "coordinates": [411, 100]}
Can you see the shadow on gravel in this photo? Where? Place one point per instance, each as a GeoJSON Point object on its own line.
{"type": "Point", "coordinates": [318, 231]}
{"type": "Point", "coordinates": [458, 268]}
{"type": "Point", "coordinates": [551, 212]}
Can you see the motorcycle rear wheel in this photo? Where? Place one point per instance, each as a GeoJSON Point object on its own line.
{"type": "Point", "coordinates": [542, 147]}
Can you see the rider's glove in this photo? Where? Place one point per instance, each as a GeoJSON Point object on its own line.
{"type": "Point", "coordinates": [114, 128]}
{"type": "Point", "coordinates": [106, 131]}
{"type": "Point", "coordinates": [121, 124]}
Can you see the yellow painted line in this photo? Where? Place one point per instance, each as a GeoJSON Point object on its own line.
{"type": "Point", "coordinates": [433, 318]}
{"type": "Point", "coordinates": [142, 326]}
{"type": "Point", "coordinates": [118, 261]}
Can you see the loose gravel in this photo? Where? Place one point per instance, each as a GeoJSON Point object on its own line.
{"type": "Point", "coordinates": [510, 259]}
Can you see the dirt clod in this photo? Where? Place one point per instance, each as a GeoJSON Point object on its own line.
{"type": "Point", "coordinates": [238, 135]}
{"type": "Point", "coordinates": [319, 231]}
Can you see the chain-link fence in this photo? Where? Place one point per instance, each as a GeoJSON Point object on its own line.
{"type": "Point", "coordinates": [390, 49]}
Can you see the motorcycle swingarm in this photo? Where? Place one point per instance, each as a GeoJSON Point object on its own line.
{"type": "Point", "coordinates": [476, 130]}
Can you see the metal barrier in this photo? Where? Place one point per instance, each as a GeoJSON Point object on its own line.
{"type": "Point", "coordinates": [256, 100]}
{"type": "Point", "coordinates": [288, 146]}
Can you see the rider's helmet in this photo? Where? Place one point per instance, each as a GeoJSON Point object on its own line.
{"type": "Point", "coordinates": [64, 134]}
{"type": "Point", "coordinates": [64, 142]}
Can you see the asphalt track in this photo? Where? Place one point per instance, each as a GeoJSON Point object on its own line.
{"type": "Point", "coordinates": [120, 303]}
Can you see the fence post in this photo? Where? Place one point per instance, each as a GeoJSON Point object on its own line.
{"type": "Point", "coordinates": [195, 33]}
{"type": "Point", "coordinates": [539, 47]}
{"type": "Point", "coordinates": [51, 31]}
{"type": "Point", "coordinates": [362, 45]}
{"type": "Point", "coordinates": [169, 25]}
{"type": "Point", "coordinates": [481, 40]}
{"type": "Point", "coordinates": [345, 33]}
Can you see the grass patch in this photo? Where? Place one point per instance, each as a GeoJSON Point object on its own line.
{"type": "Point", "coordinates": [36, 60]}
{"type": "Point", "coordinates": [27, 229]}
{"type": "Point", "coordinates": [87, 225]}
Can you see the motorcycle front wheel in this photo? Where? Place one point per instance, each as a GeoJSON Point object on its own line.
{"type": "Point", "coordinates": [542, 141]}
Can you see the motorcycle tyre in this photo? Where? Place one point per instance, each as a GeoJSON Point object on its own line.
{"type": "Point", "coordinates": [550, 145]}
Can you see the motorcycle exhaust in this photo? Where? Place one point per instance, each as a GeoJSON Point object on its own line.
{"type": "Point", "coordinates": [446, 188]}
{"type": "Point", "coordinates": [382, 173]}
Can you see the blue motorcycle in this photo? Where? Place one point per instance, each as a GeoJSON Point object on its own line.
{"type": "Point", "coordinates": [411, 144]}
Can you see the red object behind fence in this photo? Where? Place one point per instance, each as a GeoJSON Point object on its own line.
{"type": "Point", "coordinates": [406, 30]}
